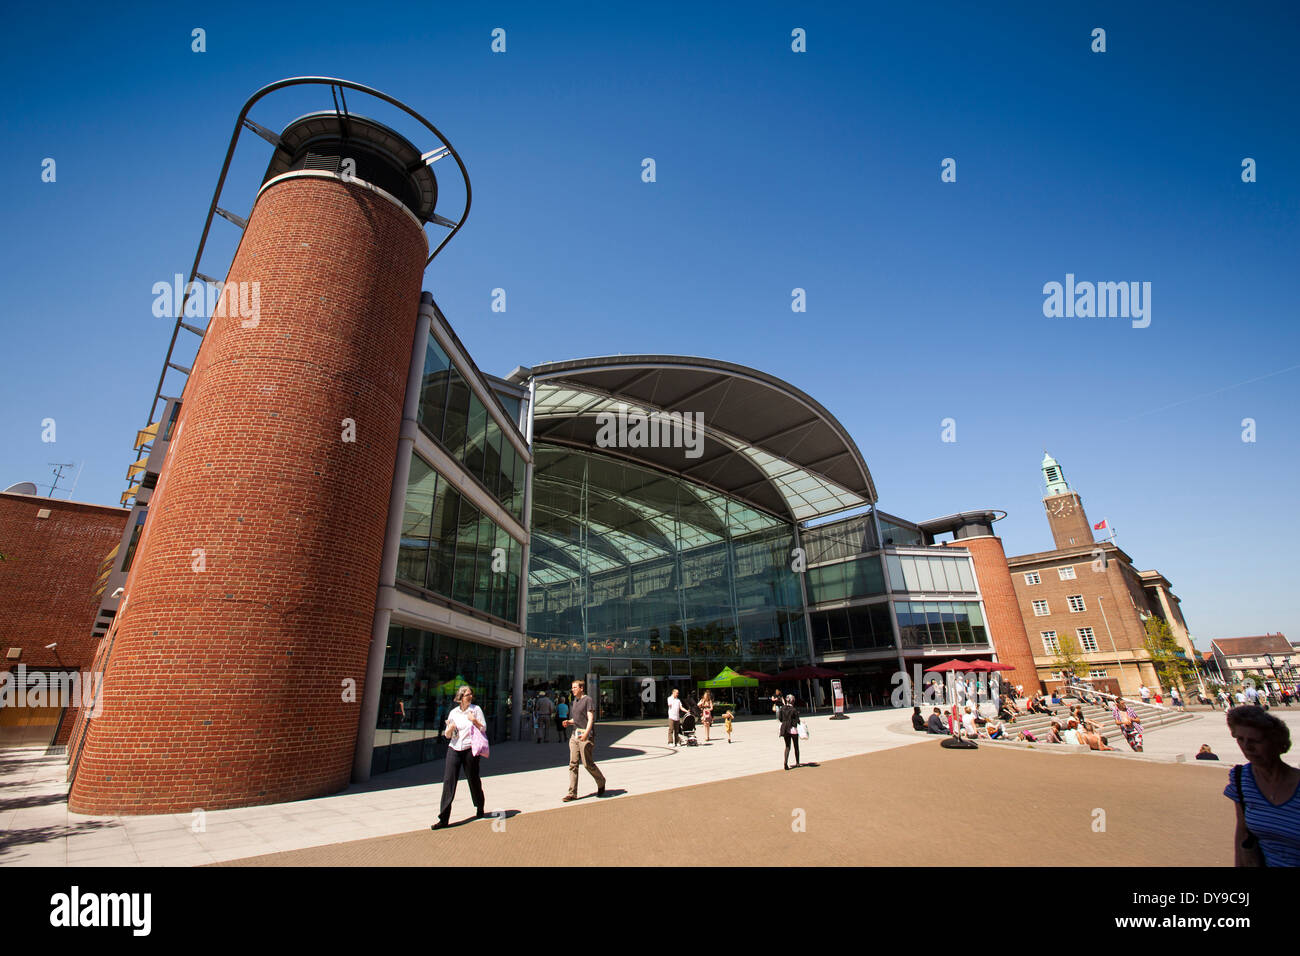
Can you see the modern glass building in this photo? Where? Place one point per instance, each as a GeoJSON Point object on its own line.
{"type": "Point", "coordinates": [640, 522]}
{"type": "Point", "coordinates": [662, 554]}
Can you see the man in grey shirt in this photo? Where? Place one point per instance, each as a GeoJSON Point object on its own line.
{"type": "Point", "coordinates": [582, 741]}
{"type": "Point", "coordinates": [543, 712]}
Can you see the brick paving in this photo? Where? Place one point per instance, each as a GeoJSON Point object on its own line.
{"type": "Point", "coordinates": [917, 805]}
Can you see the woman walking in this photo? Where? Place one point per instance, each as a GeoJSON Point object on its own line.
{"type": "Point", "coordinates": [561, 715]}
{"type": "Point", "coordinates": [1266, 791]}
{"type": "Point", "coordinates": [789, 718]}
{"type": "Point", "coordinates": [706, 710]}
{"type": "Point", "coordinates": [1128, 723]}
{"type": "Point", "coordinates": [463, 721]}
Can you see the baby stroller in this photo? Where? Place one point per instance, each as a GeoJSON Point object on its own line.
{"type": "Point", "coordinates": [687, 728]}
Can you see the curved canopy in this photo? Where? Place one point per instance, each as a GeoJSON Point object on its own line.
{"type": "Point", "coordinates": [764, 441]}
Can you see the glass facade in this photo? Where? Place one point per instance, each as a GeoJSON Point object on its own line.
{"type": "Point", "coordinates": [928, 574]}
{"type": "Point", "coordinates": [863, 627]}
{"type": "Point", "coordinates": [840, 539]}
{"type": "Point", "coordinates": [862, 577]}
{"type": "Point", "coordinates": [640, 577]}
{"type": "Point", "coordinates": [451, 548]}
{"type": "Point", "coordinates": [898, 534]}
{"type": "Point", "coordinates": [422, 672]}
{"type": "Point", "coordinates": [930, 623]}
{"type": "Point", "coordinates": [452, 414]}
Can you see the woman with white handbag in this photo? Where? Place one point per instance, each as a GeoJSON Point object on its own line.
{"type": "Point", "coordinates": [790, 728]}
{"type": "Point", "coordinates": [466, 732]}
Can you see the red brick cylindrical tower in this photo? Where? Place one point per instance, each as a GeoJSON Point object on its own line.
{"type": "Point", "coordinates": [1005, 624]}
{"type": "Point", "coordinates": [251, 602]}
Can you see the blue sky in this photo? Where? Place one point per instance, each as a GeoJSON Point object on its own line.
{"type": "Point", "coordinates": [775, 170]}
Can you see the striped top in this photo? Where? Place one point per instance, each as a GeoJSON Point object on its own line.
{"type": "Point", "coordinates": [1278, 828]}
{"type": "Point", "coordinates": [1136, 726]}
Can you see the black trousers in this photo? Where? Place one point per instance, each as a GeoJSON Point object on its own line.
{"type": "Point", "coordinates": [451, 776]}
{"type": "Point", "coordinates": [791, 738]}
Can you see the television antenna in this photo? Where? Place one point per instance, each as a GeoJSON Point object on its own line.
{"type": "Point", "coordinates": [58, 467]}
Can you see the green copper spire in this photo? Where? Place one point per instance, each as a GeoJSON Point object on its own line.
{"type": "Point", "coordinates": [1053, 475]}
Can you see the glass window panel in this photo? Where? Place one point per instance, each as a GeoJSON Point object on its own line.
{"type": "Point", "coordinates": [954, 577]}
{"type": "Point", "coordinates": [442, 545]}
{"type": "Point", "coordinates": [934, 620]}
{"type": "Point", "coordinates": [457, 414]}
{"type": "Point", "coordinates": [881, 625]}
{"type": "Point", "coordinates": [413, 552]}
{"type": "Point", "coordinates": [861, 626]}
{"type": "Point", "coordinates": [967, 577]}
{"type": "Point", "coordinates": [466, 553]}
{"type": "Point", "coordinates": [492, 457]}
{"type": "Point", "coordinates": [516, 504]}
{"type": "Point", "coordinates": [433, 388]}
{"type": "Point", "coordinates": [512, 405]}
{"type": "Point", "coordinates": [841, 630]}
{"type": "Point", "coordinates": [868, 578]}
{"type": "Point", "coordinates": [506, 473]}
{"type": "Point", "coordinates": [476, 437]}
{"type": "Point", "coordinates": [979, 634]}
{"type": "Point", "coordinates": [911, 624]}
{"type": "Point", "coordinates": [512, 587]}
{"type": "Point", "coordinates": [961, 617]}
{"type": "Point", "coordinates": [925, 579]}
{"type": "Point", "coordinates": [896, 581]}
{"type": "Point", "coordinates": [910, 575]}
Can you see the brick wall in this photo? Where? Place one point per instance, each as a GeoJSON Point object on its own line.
{"type": "Point", "coordinates": [1006, 626]}
{"type": "Point", "coordinates": [1109, 597]}
{"type": "Point", "coordinates": [225, 686]}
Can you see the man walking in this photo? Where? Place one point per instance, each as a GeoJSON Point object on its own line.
{"type": "Point", "coordinates": [544, 710]}
{"type": "Point", "coordinates": [675, 708]}
{"type": "Point", "coordinates": [582, 741]}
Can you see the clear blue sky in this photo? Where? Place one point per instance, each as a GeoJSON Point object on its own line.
{"type": "Point", "coordinates": [775, 170]}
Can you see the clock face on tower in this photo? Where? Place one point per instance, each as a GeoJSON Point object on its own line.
{"type": "Point", "coordinates": [1063, 508]}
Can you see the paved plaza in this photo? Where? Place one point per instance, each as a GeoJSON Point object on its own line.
{"type": "Point", "coordinates": [879, 794]}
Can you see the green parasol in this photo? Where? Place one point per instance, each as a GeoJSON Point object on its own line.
{"type": "Point", "coordinates": [453, 685]}
{"type": "Point", "coordinates": [729, 678]}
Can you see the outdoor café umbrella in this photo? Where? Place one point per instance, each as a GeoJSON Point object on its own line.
{"type": "Point", "coordinates": [453, 685]}
{"type": "Point", "coordinates": [730, 678]}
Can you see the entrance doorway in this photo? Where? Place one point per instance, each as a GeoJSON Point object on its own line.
{"type": "Point", "coordinates": [635, 688]}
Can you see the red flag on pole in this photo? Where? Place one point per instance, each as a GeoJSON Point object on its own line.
{"type": "Point", "coordinates": [1099, 525]}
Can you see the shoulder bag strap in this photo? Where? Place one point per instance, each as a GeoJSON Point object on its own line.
{"type": "Point", "coordinates": [1251, 843]}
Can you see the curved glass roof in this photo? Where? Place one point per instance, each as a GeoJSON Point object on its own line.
{"type": "Point", "coordinates": [764, 441]}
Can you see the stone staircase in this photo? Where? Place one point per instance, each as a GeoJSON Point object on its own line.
{"type": "Point", "coordinates": [1150, 716]}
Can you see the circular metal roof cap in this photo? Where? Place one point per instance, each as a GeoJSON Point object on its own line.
{"type": "Point", "coordinates": [327, 126]}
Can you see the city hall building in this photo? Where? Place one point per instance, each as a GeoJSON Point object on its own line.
{"type": "Point", "coordinates": [341, 519]}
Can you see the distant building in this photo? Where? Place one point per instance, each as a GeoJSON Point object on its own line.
{"type": "Point", "coordinates": [1270, 655]}
{"type": "Point", "coordinates": [54, 560]}
{"type": "Point", "coordinates": [1091, 591]}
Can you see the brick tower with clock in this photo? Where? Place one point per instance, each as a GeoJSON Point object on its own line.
{"type": "Point", "coordinates": [1065, 514]}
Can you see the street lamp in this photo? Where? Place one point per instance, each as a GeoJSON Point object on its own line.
{"type": "Point", "coordinates": [1112, 638]}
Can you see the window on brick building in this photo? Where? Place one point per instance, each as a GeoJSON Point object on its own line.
{"type": "Point", "coordinates": [1050, 644]}
{"type": "Point", "coordinates": [1087, 640]}
{"type": "Point", "coordinates": [1076, 603]}
{"type": "Point", "coordinates": [1066, 573]}
{"type": "Point", "coordinates": [1041, 609]}
{"type": "Point", "coordinates": [1033, 578]}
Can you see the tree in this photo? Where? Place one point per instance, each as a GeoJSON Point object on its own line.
{"type": "Point", "coordinates": [1173, 668]}
{"type": "Point", "coordinates": [1070, 657]}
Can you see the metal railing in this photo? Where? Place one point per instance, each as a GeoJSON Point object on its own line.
{"type": "Point", "coordinates": [242, 122]}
